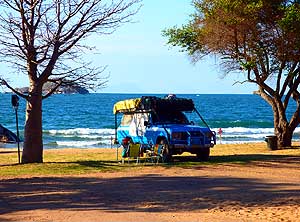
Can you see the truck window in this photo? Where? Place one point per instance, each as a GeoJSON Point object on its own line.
{"type": "Point", "coordinates": [170, 117]}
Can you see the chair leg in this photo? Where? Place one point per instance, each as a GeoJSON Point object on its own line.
{"type": "Point", "coordinates": [137, 160]}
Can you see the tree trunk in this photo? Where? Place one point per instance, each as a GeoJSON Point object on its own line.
{"type": "Point", "coordinates": [282, 130]}
{"type": "Point", "coordinates": [33, 142]}
{"type": "Point", "coordinates": [284, 136]}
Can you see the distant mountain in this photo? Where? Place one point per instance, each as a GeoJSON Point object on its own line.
{"type": "Point", "coordinates": [75, 89]}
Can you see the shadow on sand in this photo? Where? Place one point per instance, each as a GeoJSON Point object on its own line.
{"type": "Point", "coordinates": [145, 193]}
{"type": "Point", "coordinates": [135, 193]}
{"type": "Point", "coordinates": [151, 192]}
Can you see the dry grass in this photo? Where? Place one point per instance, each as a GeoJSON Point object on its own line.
{"type": "Point", "coordinates": [84, 161]}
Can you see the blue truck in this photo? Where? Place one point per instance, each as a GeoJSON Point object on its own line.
{"type": "Point", "coordinates": [152, 121]}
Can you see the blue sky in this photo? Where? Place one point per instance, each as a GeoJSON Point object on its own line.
{"type": "Point", "coordinates": [139, 61]}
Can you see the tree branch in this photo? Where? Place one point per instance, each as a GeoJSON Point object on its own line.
{"type": "Point", "coordinates": [3, 82]}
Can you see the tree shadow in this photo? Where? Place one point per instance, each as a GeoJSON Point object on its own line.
{"type": "Point", "coordinates": [145, 193]}
{"type": "Point", "coordinates": [192, 161]}
{"type": "Point", "coordinates": [152, 192]}
{"type": "Point", "coordinates": [292, 147]}
{"type": "Point", "coordinates": [8, 152]}
{"type": "Point", "coordinates": [238, 158]}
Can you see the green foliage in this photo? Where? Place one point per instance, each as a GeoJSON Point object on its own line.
{"type": "Point", "coordinates": [258, 37]}
{"type": "Point", "coordinates": [238, 31]}
{"type": "Point", "coordinates": [247, 65]}
{"type": "Point", "coordinates": [184, 37]}
{"type": "Point", "coordinates": [290, 22]}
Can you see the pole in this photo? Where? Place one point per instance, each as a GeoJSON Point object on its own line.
{"type": "Point", "coordinates": [116, 126]}
{"type": "Point", "coordinates": [201, 118]}
{"type": "Point", "coordinates": [15, 104]}
{"type": "Point", "coordinates": [220, 131]}
{"type": "Point", "coordinates": [115, 140]}
{"type": "Point", "coordinates": [17, 126]}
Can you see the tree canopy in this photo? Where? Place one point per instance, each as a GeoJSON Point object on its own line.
{"type": "Point", "coordinates": [46, 41]}
{"type": "Point", "coordinates": [260, 38]}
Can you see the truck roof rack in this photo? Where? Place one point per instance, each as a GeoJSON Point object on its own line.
{"type": "Point", "coordinates": [154, 103]}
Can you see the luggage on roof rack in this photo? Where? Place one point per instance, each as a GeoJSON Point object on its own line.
{"type": "Point", "coordinates": [167, 103]}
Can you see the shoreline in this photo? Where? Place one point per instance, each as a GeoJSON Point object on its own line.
{"type": "Point", "coordinates": [295, 143]}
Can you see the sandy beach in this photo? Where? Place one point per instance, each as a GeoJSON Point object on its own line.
{"type": "Point", "coordinates": [264, 190]}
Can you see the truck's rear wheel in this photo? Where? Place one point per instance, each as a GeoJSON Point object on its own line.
{"type": "Point", "coordinates": [203, 154]}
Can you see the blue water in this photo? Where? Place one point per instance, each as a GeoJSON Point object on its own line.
{"type": "Point", "coordinates": [87, 120]}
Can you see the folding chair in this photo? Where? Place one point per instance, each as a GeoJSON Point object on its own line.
{"type": "Point", "coordinates": [158, 153]}
{"type": "Point", "coordinates": [133, 153]}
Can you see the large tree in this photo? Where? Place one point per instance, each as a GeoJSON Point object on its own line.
{"type": "Point", "coordinates": [46, 40]}
{"type": "Point", "coordinates": [258, 38]}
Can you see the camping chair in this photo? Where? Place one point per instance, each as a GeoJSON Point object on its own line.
{"type": "Point", "coordinates": [158, 153]}
{"type": "Point", "coordinates": [133, 153]}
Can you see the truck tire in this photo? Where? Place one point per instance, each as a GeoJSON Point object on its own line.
{"type": "Point", "coordinates": [166, 155]}
{"type": "Point", "coordinates": [203, 154]}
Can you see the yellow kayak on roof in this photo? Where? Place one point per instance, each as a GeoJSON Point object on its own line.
{"type": "Point", "coordinates": [128, 105]}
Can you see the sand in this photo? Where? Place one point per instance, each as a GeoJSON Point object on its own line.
{"type": "Point", "coordinates": [263, 191]}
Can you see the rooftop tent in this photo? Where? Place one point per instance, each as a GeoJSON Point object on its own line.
{"type": "Point", "coordinates": [6, 136]}
{"type": "Point", "coordinates": [154, 103]}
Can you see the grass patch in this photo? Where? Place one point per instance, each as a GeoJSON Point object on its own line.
{"type": "Point", "coordinates": [85, 161]}
{"type": "Point", "coordinates": [61, 162]}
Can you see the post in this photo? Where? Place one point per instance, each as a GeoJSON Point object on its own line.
{"type": "Point", "coordinates": [115, 140]}
{"type": "Point", "coordinates": [116, 127]}
{"type": "Point", "coordinates": [18, 142]}
{"type": "Point", "coordinates": [117, 153]}
{"type": "Point", "coordinates": [15, 104]}
{"type": "Point", "coordinates": [220, 131]}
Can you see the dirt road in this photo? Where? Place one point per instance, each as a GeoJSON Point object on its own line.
{"type": "Point", "coordinates": [258, 191]}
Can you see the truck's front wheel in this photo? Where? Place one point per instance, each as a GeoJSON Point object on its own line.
{"type": "Point", "coordinates": [203, 154]}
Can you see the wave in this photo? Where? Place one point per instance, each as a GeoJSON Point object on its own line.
{"type": "Point", "coordinates": [80, 131]}
{"type": "Point", "coordinates": [78, 137]}
{"type": "Point", "coordinates": [86, 137]}
{"type": "Point", "coordinates": [241, 123]}
{"type": "Point", "coordinates": [237, 142]}
{"type": "Point", "coordinates": [79, 143]}
{"type": "Point", "coordinates": [231, 130]}
{"type": "Point", "coordinates": [249, 131]}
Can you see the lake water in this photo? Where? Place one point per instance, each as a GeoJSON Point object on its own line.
{"type": "Point", "coordinates": [88, 121]}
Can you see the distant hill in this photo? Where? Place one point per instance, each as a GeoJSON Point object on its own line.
{"type": "Point", "coordinates": [61, 90]}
